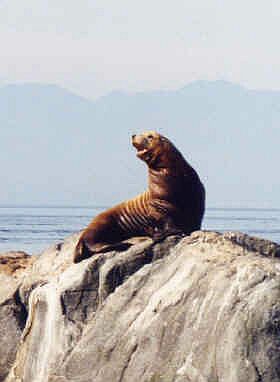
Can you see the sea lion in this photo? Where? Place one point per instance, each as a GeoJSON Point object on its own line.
{"type": "Point", "coordinates": [173, 203]}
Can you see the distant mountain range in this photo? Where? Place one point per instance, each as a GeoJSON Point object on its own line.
{"type": "Point", "coordinates": [59, 148]}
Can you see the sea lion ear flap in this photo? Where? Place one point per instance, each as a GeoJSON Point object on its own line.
{"type": "Point", "coordinates": [163, 139]}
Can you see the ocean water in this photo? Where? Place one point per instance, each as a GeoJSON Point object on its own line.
{"type": "Point", "coordinates": [32, 229]}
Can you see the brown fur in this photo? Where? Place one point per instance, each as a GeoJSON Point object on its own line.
{"type": "Point", "coordinates": [173, 203]}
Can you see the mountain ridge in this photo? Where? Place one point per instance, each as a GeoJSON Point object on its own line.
{"type": "Point", "coordinates": [60, 148]}
{"type": "Point", "coordinates": [119, 92]}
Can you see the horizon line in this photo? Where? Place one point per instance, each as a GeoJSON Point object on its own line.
{"type": "Point", "coordinates": [99, 207]}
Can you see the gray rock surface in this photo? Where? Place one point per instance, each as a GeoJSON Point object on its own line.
{"type": "Point", "coordinates": [200, 308]}
{"type": "Point", "coordinates": [13, 314]}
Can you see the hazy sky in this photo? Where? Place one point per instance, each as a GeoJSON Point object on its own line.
{"type": "Point", "coordinates": [93, 47]}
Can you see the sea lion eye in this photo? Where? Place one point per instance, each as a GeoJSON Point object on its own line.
{"type": "Point", "coordinates": [150, 137]}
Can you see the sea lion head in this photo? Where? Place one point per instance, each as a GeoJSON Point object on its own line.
{"type": "Point", "coordinates": [151, 147]}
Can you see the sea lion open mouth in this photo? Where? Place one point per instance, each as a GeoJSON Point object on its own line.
{"type": "Point", "coordinates": [142, 152]}
{"type": "Point", "coordinates": [141, 145]}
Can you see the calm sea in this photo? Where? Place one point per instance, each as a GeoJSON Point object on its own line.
{"type": "Point", "coordinates": [32, 229]}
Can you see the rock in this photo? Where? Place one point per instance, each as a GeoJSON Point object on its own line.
{"type": "Point", "coordinates": [12, 313]}
{"type": "Point", "coordinates": [200, 308]}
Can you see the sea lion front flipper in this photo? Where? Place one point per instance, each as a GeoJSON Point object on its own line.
{"type": "Point", "coordinates": [160, 236]}
{"type": "Point", "coordinates": [120, 247]}
{"type": "Point", "coordinates": [165, 229]}
{"type": "Point", "coordinates": [84, 251]}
